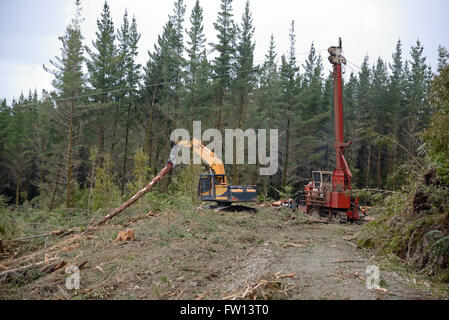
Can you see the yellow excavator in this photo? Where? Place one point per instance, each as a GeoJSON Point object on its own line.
{"type": "Point", "coordinates": [214, 186]}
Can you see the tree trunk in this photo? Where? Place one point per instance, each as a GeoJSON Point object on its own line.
{"type": "Point", "coordinates": [114, 130]}
{"type": "Point", "coordinates": [236, 173]}
{"type": "Point", "coordinates": [101, 142]}
{"type": "Point", "coordinates": [41, 174]}
{"type": "Point", "coordinates": [18, 178]}
{"type": "Point", "coordinates": [148, 142]}
{"type": "Point", "coordinates": [53, 194]}
{"type": "Point", "coordinates": [368, 169]}
{"type": "Point", "coordinates": [394, 157]}
{"type": "Point", "coordinates": [411, 138]}
{"type": "Point", "coordinates": [219, 110]}
{"type": "Point", "coordinates": [287, 155]}
{"type": "Point", "coordinates": [379, 178]}
{"type": "Point", "coordinates": [69, 158]}
{"type": "Point", "coordinates": [126, 149]}
{"type": "Point", "coordinates": [55, 185]}
{"type": "Point", "coordinates": [165, 153]}
{"type": "Point", "coordinates": [91, 185]}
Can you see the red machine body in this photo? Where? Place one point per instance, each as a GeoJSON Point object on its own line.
{"type": "Point", "coordinates": [329, 193]}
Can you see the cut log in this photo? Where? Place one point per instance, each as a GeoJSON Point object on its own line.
{"type": "Point", "coordinates": [5, 274]}
{"type": "Point", "coordinates": [53, 267]}
{"type": "Point", "coordinates": [138, 195]}
{"type": "Point", "coordinates": [52, 233]}
{"type": "Point", "coordinates": [20, 260]}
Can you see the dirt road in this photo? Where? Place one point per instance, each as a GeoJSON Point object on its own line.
{"type": "Point", "coordinates": [190, 255]}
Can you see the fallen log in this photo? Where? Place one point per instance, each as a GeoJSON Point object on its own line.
{"type": "Point", "coordinates": [138, 195]}
{"type": "Point", "coordinates": [62, 244]}
{"type": "Point", "coordinates": [53, 267]}
{"type": "Point", "coordinates": [52, 233]}
{"type": "Point", "coordinates": [5, 274]}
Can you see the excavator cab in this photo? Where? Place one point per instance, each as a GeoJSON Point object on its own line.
{"type": "Point", "coordinates": [213, 187]}
{"type": "Point", "coordinates": [205, 187]}
{"type": "Point", "coordinates": [208, 185]}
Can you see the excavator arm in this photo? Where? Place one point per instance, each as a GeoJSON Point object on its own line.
{"type": "Point", "coordinates": [214, 162]}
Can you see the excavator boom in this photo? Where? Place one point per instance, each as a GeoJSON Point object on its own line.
{"type": "Point", "coordinates": [206, 154]}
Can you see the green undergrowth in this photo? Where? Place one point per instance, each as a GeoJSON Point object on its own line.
{"type": "Point", "coordinates": [412, 229]}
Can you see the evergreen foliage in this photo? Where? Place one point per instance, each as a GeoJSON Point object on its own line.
{"type": "Point", "coordinates": [119, 107]}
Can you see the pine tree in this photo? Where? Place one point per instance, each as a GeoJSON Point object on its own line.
{"type": "Point", "coordinates": [365, 131]}
{"type": "Point", "coordinates": [418, 84]}
{"type": "Point", "coordinates": [197, 55]}
{"type": "Point", "coordinates": [125, 59]}
{"type": "Point", "coordinates": [177, 42]}
{"type": "Point", "coordinates": [16, 147]}
{"type": "Point", "coordinates": [244, 60]}
{"type": "Point", "coordinates": [351, 115]}
{"type": "Point", "coordinates": [266, 99]}
{"type": "Point", "coordinates": [289, 86]}
{"type": "Point", "coordinates": [46, 145]}
{"type": "Point", "coordinates": [310, 140]}
{"type": "Point", "coordinates": [69, 83]}
{"type": "Point", "coordinates": [5, 117]}
{"type": "Point", "coordinates": [443, 57]}
{"type": "Point", "coordinates": [396, 101]}
{"type": "Point", "coordinates": [162, 69]}
{"type": "Point", "coordinates": [103, 67]}
{"type": "Point", "coordinates": [268, 87]}
{"type": "Point", "coordinates": [178, 20]}
{"type": "Point", "coordinates": [152, 92]}
{"type": "Point", "coordinates": [243, 84]}
{"type": "Point", "coordinates": [381, 113]}
{"type": "Point", "coordinates": [128, 37]}
{"type": "Point", "coordinates": [327, 105]}
{"type": "Point", "coordinates": [312, 85]}
{"type": "Point", "coordinates": [225, 49]}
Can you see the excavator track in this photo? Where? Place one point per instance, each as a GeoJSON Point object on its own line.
{"type": "Point", "coordinates": [230, 208]}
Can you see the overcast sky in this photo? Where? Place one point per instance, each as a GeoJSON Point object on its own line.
{"type": "Point", "coordinates": [29, 29]}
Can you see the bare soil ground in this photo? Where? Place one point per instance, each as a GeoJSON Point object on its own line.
{"type": "Point", "coordinates": [208, 255]}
